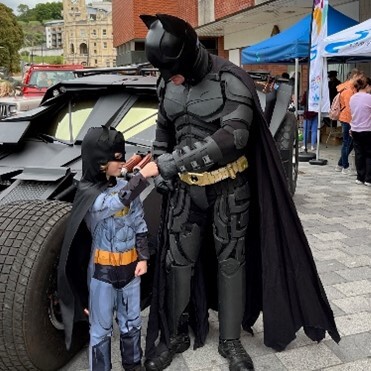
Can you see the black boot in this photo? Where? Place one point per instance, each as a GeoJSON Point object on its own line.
{"type": "Point", "coordinates": [134, 367]}
{"type": "Point", "coordinates": [178, 344]}
{"type": "Point", "coordinates": [238, 358]}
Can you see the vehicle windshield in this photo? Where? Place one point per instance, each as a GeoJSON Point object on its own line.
{"type": "Point", "coordinates": [44, 79]}
{"type": "Point", "coordinates": [140, 116]}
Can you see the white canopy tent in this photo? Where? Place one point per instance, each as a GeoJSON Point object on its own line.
{"type": "Point", "coordinates": [351, 42]}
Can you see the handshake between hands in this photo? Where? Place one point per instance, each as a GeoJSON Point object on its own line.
{"type": "Point", "coordinates": [163, 170]}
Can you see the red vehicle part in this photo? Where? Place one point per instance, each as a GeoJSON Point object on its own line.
{"type": "Point", "coordinates": [39, 77]}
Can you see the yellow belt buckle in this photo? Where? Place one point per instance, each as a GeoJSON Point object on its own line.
{"type": "Point", "coordinates": [193, 178]}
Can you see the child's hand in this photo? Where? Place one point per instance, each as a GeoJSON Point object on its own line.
{"type": "Point", "coordinates": [150, 170]}
{"type": "Point", "coordinates": [141, 268]}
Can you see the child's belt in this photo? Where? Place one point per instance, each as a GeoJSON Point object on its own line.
{"type": "Point", "coordinates": [215, 176]}
{"type": "Point", "coordinates": [115, 258]}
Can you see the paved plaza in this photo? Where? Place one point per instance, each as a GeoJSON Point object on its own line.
{"type": "Point", "coordinates": [336, 216]}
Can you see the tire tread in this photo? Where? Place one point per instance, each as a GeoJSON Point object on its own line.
{"type": "Point", "coordinates": [24, 226]}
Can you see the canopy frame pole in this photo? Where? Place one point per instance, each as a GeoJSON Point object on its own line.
{"type": "Point", "coordinates": [296, 90]}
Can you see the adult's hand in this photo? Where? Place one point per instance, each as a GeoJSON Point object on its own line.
{"type": "Point", "coordinates": [167, 166]}
{"type": "Point", "coordinates": [163, 186]}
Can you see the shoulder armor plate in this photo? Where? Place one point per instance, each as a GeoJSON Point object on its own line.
{"type": "Point", "coordinates": [235, 89]}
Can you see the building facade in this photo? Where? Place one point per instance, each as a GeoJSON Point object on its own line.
{"type": "Point", "coordinates": [54, 34]}
{"type": "Point", "coordinates": [88, 38]}
{"type": "Point", "coordinates": [130, 32]}
{"type": "Point", "coordinates": [226, 27]}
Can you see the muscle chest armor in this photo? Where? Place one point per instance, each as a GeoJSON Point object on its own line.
{"type": "Point", "coordinates": [195, 111]}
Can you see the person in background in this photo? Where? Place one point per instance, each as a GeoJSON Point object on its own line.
{"type": "Point", "coordinates": [310, 124]}
{"type": "Point", "coordinates": [360, 107]}
{"type": "Point", "coordinates": [6, 89]}
{"type": "Point", "coordinates": [333, 82]}
{"type": "Point", "coordinates": [346, 90]}
{"type": "Point", "coordinates": [43, 81]}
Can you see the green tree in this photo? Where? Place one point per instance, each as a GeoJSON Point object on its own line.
{"type": "Point", "coordinates": [41, 12]}
{"type": "Point", "coordinates": [34, 33]}
{"type": "Point", "coordinates": [11, 39]}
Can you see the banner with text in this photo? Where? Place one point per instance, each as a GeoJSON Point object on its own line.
{"type": "Point", "coordinates": [318, 96]}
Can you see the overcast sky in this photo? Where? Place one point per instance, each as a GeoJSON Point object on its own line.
{"type": "Point", "coordinates": [13, 4]}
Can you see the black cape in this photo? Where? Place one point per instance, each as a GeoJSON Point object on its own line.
{"type": "Point", "coordinates": [282, 280]}
{"type": "Point", "coordinates": [74, 260]}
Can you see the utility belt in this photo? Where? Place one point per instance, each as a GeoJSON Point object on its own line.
{"type": "Point", "coordinates": [215, 176]}
{"type": "Point", "coordinates": [116, 259]}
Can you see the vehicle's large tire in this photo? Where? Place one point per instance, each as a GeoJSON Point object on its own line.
{"type": "Point", "coordinates": [288, 146]}
{"type": "Point", "coordinates": [31, 234]}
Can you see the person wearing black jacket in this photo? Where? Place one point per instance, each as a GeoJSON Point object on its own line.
{"type": "Point", "coordinates": [230, 236]}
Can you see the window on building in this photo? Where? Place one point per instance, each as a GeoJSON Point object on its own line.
{"type": "Point", "coordinates": [72, 49]}
{"type": "Point", "coordinates": [95, 44]}
{"type": "Point", "coordinates": [104, 45]}
{"type": "Point", "coordinates": [108, 64]}
{"type": "Point", "coordinates": [83, 49]}
{"type": "Point", "coordinates": [95, 51]}
{"type": "Point", "coordinates": [210, 44]}
{"type": "Point", "coordinates": [96, 61]}
{"type": "Point", "coordinates": [139, 45]}
{"type": "Point", "coordinates": [94, 33]}
{"type": "Point", "coordinates": [104, 32]}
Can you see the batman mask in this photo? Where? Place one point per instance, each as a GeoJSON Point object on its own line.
{"type": "Point", "coordinates": [99, 146]}
{"type": "Point", "coordinates": [173, 47]}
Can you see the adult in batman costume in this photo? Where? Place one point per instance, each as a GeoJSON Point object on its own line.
{"type": "Point", "coordinates": [117, 251]}
{"type": "Point", "coordinates": [218, 162]}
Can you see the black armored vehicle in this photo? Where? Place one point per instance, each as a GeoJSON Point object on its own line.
{"type": "Point", "coordinates": [40, 167]}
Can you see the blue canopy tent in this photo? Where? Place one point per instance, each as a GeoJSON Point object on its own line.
{"type": "Point", "coordinates": [294, 42]}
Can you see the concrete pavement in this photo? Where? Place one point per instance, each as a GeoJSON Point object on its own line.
{"type": "Point", "coordinates": [336, 216]}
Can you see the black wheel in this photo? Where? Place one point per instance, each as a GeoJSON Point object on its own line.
{"type": "Point", "coordinates": [31, 330]}
{"type": "Point", "coordinates": [287, 139]}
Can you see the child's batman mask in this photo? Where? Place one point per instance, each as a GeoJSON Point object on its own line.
{"type": "Point", "coordinates": [99, 146]}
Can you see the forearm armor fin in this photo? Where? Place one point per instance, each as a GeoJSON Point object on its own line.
{"type": "Point", "coordinates": [202, 156]}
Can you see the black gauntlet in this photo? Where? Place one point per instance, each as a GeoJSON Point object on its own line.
{"type": "Point", "coordinates": [200, 157]}
{"type": "Point", "coordinates": [133, 189]}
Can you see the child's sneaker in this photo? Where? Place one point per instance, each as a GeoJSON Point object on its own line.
{"type": "Point", "coordinates": [312, 148]}
{"type": "Point", "coordinates": [367, 184]}
{"type": "Point", "coordinates": [346, 171]}
{"type": "Point", "coordinates": [338, 168]}
{"type": "Point", "coordinates": [359, 181]}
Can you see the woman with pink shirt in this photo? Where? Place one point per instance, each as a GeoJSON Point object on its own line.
{"type": "Point", "coordinates": [360, 107]}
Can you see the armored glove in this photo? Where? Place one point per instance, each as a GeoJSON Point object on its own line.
{"type": "Point", "coordinates": [166, 165]}
{"type": "Point", "coordinates": [163, 186]}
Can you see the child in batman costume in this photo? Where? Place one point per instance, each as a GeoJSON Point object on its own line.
{"type": "Point", "coordinates": [114, 216]}
{"type": "Point", "coordinates": [219, 165]}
